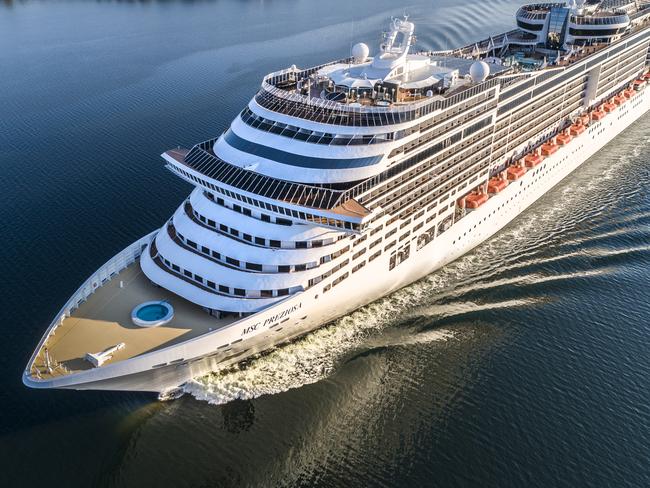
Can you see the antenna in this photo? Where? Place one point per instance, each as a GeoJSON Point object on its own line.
{"type": "Point", "coordinates": [350, 43]}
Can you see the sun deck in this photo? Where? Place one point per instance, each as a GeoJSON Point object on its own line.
{"type": "Point", "coordinates": [104, 321]}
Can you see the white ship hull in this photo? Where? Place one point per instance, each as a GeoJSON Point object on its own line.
{"type": "Point", "coordinates": [295, 316]}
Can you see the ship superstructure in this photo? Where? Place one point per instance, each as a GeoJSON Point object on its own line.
{"type": "Point", "coordinates": [340, 183]}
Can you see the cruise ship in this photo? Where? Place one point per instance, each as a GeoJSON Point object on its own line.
{"type": "Point", "coordinates": [343, 182]}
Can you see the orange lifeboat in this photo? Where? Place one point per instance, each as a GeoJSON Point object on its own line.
{"type": "Point", "coordinates": [549, 148]}
{"type": "Point", "coordinates": [619, 100]}
{"type": "Point", "coordinates": [576, 129]}
{"type": "Point", "coordinates": [637, 84]}
{"type": "Point", "coordinates": [609, 107]}
{"type": "Point", "coordinates": [515, 172]}
{"type": "Point", "coordinates": [598, 115]}
{"type": "Point", "coordinates": [628, 93]}
{"type": "Point", "coordinates": [647, 76]}
{"type": "Point", "coordinates": [563, 139]}
{"type": "Point", "coordinates": [496, 184]}
{"type": "Point", "coordinates": [475, 200]}
{"type": "Point", "coordinates": [532, 160]}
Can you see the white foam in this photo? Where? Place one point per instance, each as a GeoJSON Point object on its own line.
{"type": "Point", "coordinates": [316, 356]}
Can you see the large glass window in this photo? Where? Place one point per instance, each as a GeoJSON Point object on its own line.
{"type": "Point", "coordinates": [556, 27]}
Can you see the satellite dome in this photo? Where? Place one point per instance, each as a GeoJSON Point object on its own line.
{"type": "Point", "coordinates": [479, 71]}
{"type": "Point", "coordinates": [360, 52]}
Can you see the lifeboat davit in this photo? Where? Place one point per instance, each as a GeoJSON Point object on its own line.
{"type": "Point", "coordinates": [598, 115]}
{"type": "Point", "coordinates": [609, 107]}
{"type": "Point", "coordinates": [496, 184]}
{"type": "Point", "coordinates": [576, 129]}
{"type": "Point", "coordinates": [549, 148]}
{"type": "Point", "coordinates": [475, 200]}
{"type": "Point", "coordinates": [584, 119]}
{"type": "Point", "coordinates": [515, 172]}
{"type": "Point", "coordinates": [563, 139]}
{"type": "Point", "coordinates": [533, 160]}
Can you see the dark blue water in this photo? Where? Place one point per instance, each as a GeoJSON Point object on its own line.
{"type": "Point", "coordinates": [525, 363]}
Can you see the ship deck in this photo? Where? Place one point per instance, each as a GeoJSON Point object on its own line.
{"type": "Point", "coordinates": [104, 320]}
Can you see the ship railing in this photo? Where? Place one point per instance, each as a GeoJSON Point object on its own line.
{"type": "Point", "coordinates": [508, 80]}
{"type": "Point", "coordinates": [493, 43]}
{"type": "Point", "coordinates": [332, 105]}
{"type": "Point", "coordinates": [293, 74]}
{"type": "Point", "coordinates": [202, 159]}
{"type": "Point", "coordinates": [445, 52]}
{"type": "Point", "coordinates": [610, 18]}
{"type": "Point", "coordinates": [103, 275]}
{"type": "Point", "coordinates": [533, 11]}
{"type": "Point", "coordinates": [335, 113]}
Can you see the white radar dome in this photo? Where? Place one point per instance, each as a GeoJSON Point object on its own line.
{"type": "Point", "coordinates": [360, 52]}
{"type": "Point", "coordinates": [479, 71]}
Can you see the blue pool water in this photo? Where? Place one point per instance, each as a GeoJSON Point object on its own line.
{"type": "Point", "coordinates": [152, 312]}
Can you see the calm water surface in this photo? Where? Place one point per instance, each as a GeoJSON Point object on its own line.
{"type": "Point", "coordinates": [525, 363]}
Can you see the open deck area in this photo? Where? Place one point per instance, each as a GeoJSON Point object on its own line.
{"type": "Point", "coordinates": [104, 321]}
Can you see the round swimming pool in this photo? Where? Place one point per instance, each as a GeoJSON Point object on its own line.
{"type": "Point", "coordinates": [152, 314]}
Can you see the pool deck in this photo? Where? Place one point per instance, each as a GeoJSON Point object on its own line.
{"type": "Point", "coordinates": [104, 321]}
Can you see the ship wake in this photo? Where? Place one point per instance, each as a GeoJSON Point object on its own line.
{"type": "Point", "coordinates": [568, 236]}
{"type": "Point", "coordinates": [317, 355]}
